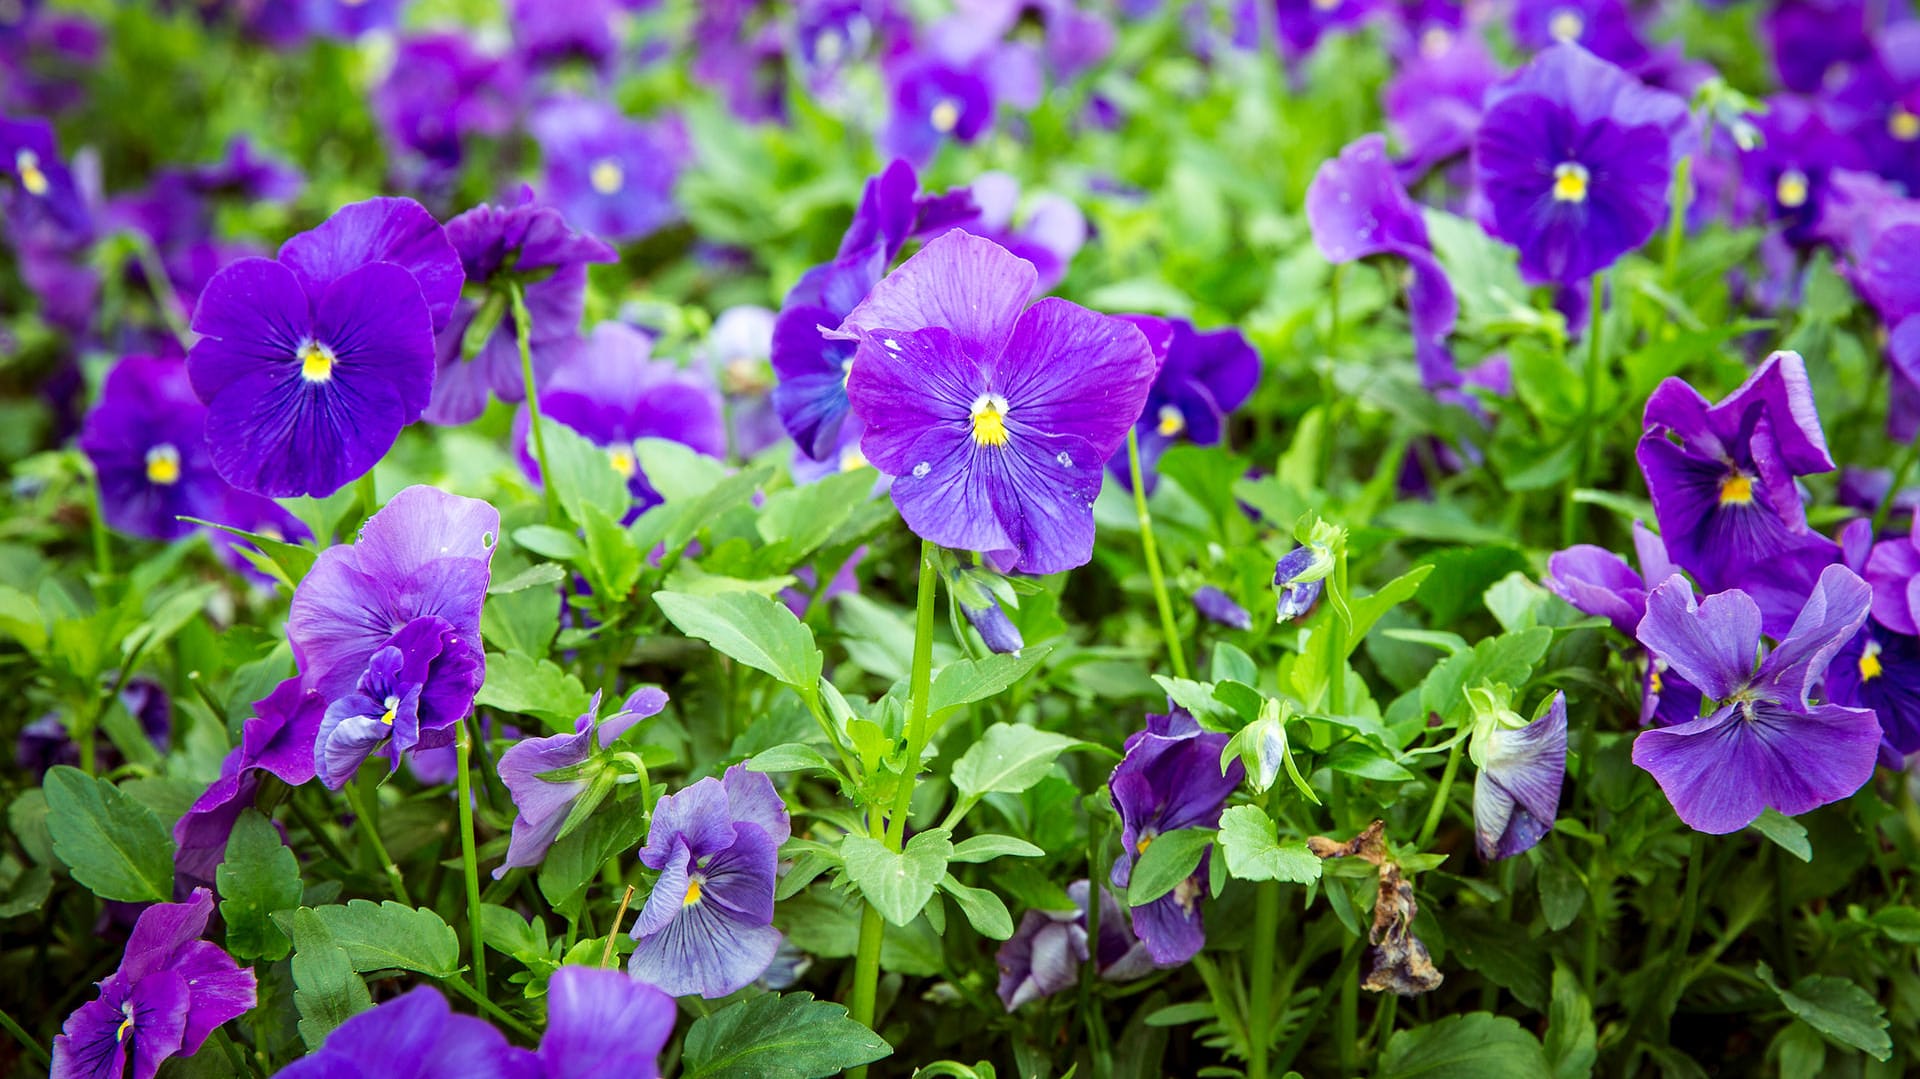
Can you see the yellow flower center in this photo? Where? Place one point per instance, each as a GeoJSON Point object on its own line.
{"type": "Point", "coordinates": [1870, 668]}
{"type": "Point", "coordinates": [1566, 25]}
{"type": "Point", "coordinates": [1435, 40]}
{"type": "Point", "coordinates": [392, 705]}
{"type": "Point", "coordinates": [316, 362]}
{"type": "Point", "coordinates": [606, 176]}
{"type": "Point", "coordinates": [945, 116]}
{"type": "Point", "coordinates": [693, 892]}
{"type": "Point", "coordinates": [1570, 182]}
{"type": "Point", "coordinates": [1736, 490]}
{"type": "Point", "coordinates": [1140, 846]}
{"type": "Point", "coordinates": [1653, 680]}
{"type": "Point", "coordinates": [1791, 189]}
{"type": "Point", "coordinates": [125, 1026]}
{"type": "Point", "coordinates": [27, 164]}
{"type": "Point", "coordinates": [852, 460]}
{"type": "Point", "coordinates": [990, 420]}
{"type": "Point", "coordinates": [1171, 422]}
{"type": "Point", "coordinates": [163, 465]}
{"type": "Point", "coordinates": [1902, 124]}
{"type": "Point", "coordinates": [622, 460]}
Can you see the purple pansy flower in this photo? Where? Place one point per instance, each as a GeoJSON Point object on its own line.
{"type": "Point", "coordinates": [37, 191]}
{"type": "Point", "coordinates": [147, 440]}
{"type": "Point", "coordinates": [550, 780]}
{"type": "Point", "coordinates": [1045, 953]}
{"type": "Point", "coordinates": [1357, 207]}
{"type": "Point", "coordinates": [601, 1022]}
{"type": "Point", "coordinates": [1050, 232]}
{"type": "Point", "coordinates": [1765, 744]}
{"type": "Point", "coordinates": [978, 593]}
{"type": "Point", "coordinates": [1575, 157]}
{"type": "Point", "coordinates": [612, 393]}
{"type": "Point", "coordinates": [442, 90]}
{"type": "Point", "coordinates": [1722, 481]}
{"type": "Point", "coordinates": [497, 244]}
{"type": "Point", "coordinates": [1219, 607]}
{"type": "Point", "coordinates": [1298, 577]}
{"type": "Point", "coordinates": [1522, 766]}
{"type": "Point", "coordinates": [1604, 28]}
{"type": "Point", "coordinates": [1302, 23]}
{"type": "Point", "coordinates": [1816, 42]}
{"type": "Point", "coordinates": [426, 555]}
{"type": "Point", "coordinates": [243, 173]}
{"type": "Point", "coordinates": [415, 1036]}
{"type": "Point", "coordinates": [1433, 101]}
{"type": "Point", "coordinates": [1170, 779]}
{"type": "Point", "coordinates": [934, 100]}
{"type": "Point", "coordinates": [1598, 582]}
{"type": "Point", "coordinates": [1204, 376]}
{"type": "Point", "coordinates": [609, 175]}
{"type": "Point", "coordinates": [278, 740]}
{"type": "Point", "coordinates": [1787, 173]}
{"type": "Point", "coordinates": [171, 991]}
{"type": "Point", "coordinates": [548, 34]}
{"type": "Point", "coordinates": [46, 742]}
{"type": "Point", "coordinates": [415, 688]}
{"type": "Point", "coordinates": [994, 419]}
{"type": "Point", "coordinates": [738, 353]}
{"type": "Point", "coordinates": [707, 927]}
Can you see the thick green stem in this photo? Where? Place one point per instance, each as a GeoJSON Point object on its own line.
{"type": "Point", "coordinates": [523, 334]}
{"type": "Point", "coordinates": [499, 1014]}
{"type": "Point", "coordinates": [1167, 629]}
{"type": "Point", "coordinates": [1439, 806]}
{"type": "Point", "coordinates": [365, 822]}
{"type": "Point", "coordinates": [468, 864]}
{"type": "Point", "coordinates": [1266, 927]}
{"type": "Point", "coordinates": [1589, 435]}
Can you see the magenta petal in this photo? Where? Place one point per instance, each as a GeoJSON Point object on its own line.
{"type": "Point", "coordinates": [1713, 645]}
{"type": "Point", "coordinates": [222, 990]}
{"type": "Point", "coordinates": [392, 230]}
{"type": "Point", "coordinates": [1071, 371]}
{"type": "Point", "coordinates": [251, 314]}
{"type": "Point", "coordinates": [1598, 582]}
{"type": "Point", "coordinates": [964, 283]}
{"type": "Point", "coordinates": [423, 525]}
{"type": "Point", "coordinates": [1042, 488]}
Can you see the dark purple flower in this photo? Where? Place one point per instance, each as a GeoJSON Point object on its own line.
{"type": "Point", "coordinates": [1816, 42]}
{"type": "Point", "coordinates": [247, 175]}
{"type": "Point", "coordinates": [415, 1036]}
{"type": "Point", "coordinates": [1203, 378]}
{"type": "Point", "coordinates": [1598, 582]}
{"type": "Point", "coordinates": [1357, 208]}
{"type": "Point", "coordinates": [1604, 28]}
{"type": "Point", "coordinates": [1893, 570]}
{"type": "Point", "coordinates": [414, 690]}
{"type": "Point", "coordinates": [1722, 481]}
{"type": "Point", "coordinates": [601, 1022]}
{"type": "Point", "coordinates": [426, 555]}
{"type": "Point", "coordinates": [609, 175]}
{"type": "Point", "coordinates": [276, 740]}
{"type": "Point", "coordinates": [979, 592]}
{"type": "Point", "coordinates": [37, 192]}
{"type": "Point", "coordinates": [1433, 102]}
{"type": "Point", "coordinates": [171, 991]}
{"type": "Point", "coordinates": [1787, 173]}
{"type": "Point", "coordinates": [497, 244]}
{"type": "Point", "coordinates": [1302, 23]}
{"type": "Point", "coordinates": [1575, 157]}
{"type": "Point", "coordinates": [934, 101]}
{"type": "Point", "coordinates": [548, 34]}
{"type": "Point", "coordinates": [1522, 766]}
{"type": "Point", "coordinates": [1880, 670]}
{"type": "Point", "coordinates": [1170, 779]}
{"type": "Point", "coordinates": [443, 90]}
{"type": "Point", "coordinates": [1220, 607]}
{"type": "Point", "coordinates": [552, 780]}
{"type": "Point", "coordinates": [1045, 953]}
{"type": "Point", "coordinates": [147, 440]}
{"type": "Point", "coordinates": [707, 927]}
{"type": "Point", "coordinates": [349, 19]}
{"type": "Point", "coordinates": [612, 393]}
{"type": "Point", "coordinates": [1765, 744]}
{"type": "Point", "coordinates": [994, 418]}
{"type": "Point", "coordinates": [1878, 105]}
{"type": "Point", "coordinates": [45, 742]}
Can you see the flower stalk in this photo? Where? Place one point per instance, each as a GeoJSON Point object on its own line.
{"type": "Point", "coordinates": [523, 335]}
{"type": "Point", "coordinates": [1151, 552]}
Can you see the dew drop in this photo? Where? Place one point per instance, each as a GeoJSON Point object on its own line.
{"type": "Point", "coordinates": [920, 470]}
{"type": "Point", "coordinates": [1065, 461]}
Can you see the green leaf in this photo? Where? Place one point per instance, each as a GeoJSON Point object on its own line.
{"type": "Point", "coordinates": [985, 848]}
{"type": "Point", "coordinates": [790, 757]}
{"type": "Point", "coordinates": [326, 990]}
{"type": "Point", "coordinates": [1254, 851]}
{"type": "Point", "coordinates": [757, 631]}
{"type": "Point", "coordinates": [534, 576]}
{"type": "Point", "coordinates": [797, 520]}
{"type": "Point", "coordinates": [1788, 834]}
{"type": "Point", "coordinates": [1803, 1053]}
{"type": "Point", "coordinates": [1472, 1046]}
{"type": "Point", "coordinates": [583, 475]}
{"type": "Point", "coordinates": [258, 877]}
{"type": "Point", "coordinates": [983, 909]}
{"type": "Point", "coordinates": [1008, 758]}
{"type": "Point", "coordinates": [1508, 658]}
{"type": "Point", "coordinates": [114, 845]}
{"type": "Point", "coordinates": [897, 885]}
{"type": "Point", "coordinates": [613, 561]}
{"type": "Point", "coordinates": [1358, 757]}
{"type": "Point", "coordinates": [286, 562]}
{"type": "Point", "coordinates": [1838, 1008]}
{"type": "Point", "coordinates": [1168, 859]}
{"type": "Point", "coordinates": [968, 680]}
{"type": "Point", "coordinates": [778, 1036]}
{"type": "Point", "coordinates": [533, 687]}
{"type": "Point", "coordinates": [676, 470]}
{"type": "Point", "coordinates": [1562, 894]}
{"type": "Point", "coordinates": [618, 826]}
{"type": "Point", "coordinates": [550, 542]}
{"type": "Point", "coordinates": [1570, 1031]}
{"type": "Point", "coordinates": [391, 936]}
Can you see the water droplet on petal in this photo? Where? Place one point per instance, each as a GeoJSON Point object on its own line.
{"type": "Point", "coordinates": [1065, 461]}
{"type": "Point", "coordinates": [920, 470]}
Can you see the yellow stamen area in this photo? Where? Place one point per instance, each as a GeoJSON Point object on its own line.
{"type": "Point", "coordinates": [1570, 182]}
{"type": "Point", "coordinates": [1435, 40]}
{"type": "Point", "coordinates": [1140, 846]}
{"type": "Point", "coordinates": [990, 420]}
{"type": "Point", "coordinates": [1870, 668]}
{"type": "Point", "coordinates": [945, 116]}
{"type": "Point", "coordinates": [1903, 124]}
{"type": "Point", "coordinates": [125, 1025]}
{"type": "Point", "coordinates": [606, 176]}
{"type": "Point", "coordinates": [1170, 422]}
{"type": "Point", "coordinates": [27, 164]}
{"type": "Point", "coordinates": [622, 460]}
{"type": "Point", "coordinates": [1653, 680]}
{"type": "Point", "coordinates": [852, 460]}
{"type": "Point", "coordinates": [1325, 5]}
{"type": "Point", "coordinates": [316, 362]}
{"type": "Point", "coordinates": [1790, 190]}
{"type": "Point", "coordinates": [1566, 25]}
{"type": "Point", "coordinates": [163, 465]}
{"type": "Point", "coordinates": [393, 705]}
{"type": "Point", "coordinates": [1736, 490]}
{"type": "Point", "coordinates": [693, 893]}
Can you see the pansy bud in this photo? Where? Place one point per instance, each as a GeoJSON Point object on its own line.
{"type": "Point", "coordinates": [1220, 607]}
{"type": "Point", "coordinates": [1297, 580]}
{"type": "Point", "coordinates": [1522, 766]}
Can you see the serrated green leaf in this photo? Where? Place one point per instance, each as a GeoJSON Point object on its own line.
{"type": "Point", "coordinates": [1839, 1009]}
{"type": "Point", "coordinates": [1008, 758]}
{"type": "Point", "coordinates": [1570, 1045]}
{"type": "Point", "coordinates": [898, 885]}
{"type": "Point", "coordinates": [618, 826]}
{"type": "Point", "coordinates": [778, 1036]}
{"type": "Point", "coordinates": [1254, 851]}
{"type": "Point", "coordinates": [390, 936]}
{"type": "Point", "coordinates": [1472, 1046]}
{"type": "Point", "coordinates": [258, 877]}
{"type": "Point", "coordinates": [1508, 658]}
{"type": "Point", "coordinates": [757, 631]}
{"type": "Point", "coordinates": [115, 846]}
{"type": "Point", "coordinates": [326, 990]}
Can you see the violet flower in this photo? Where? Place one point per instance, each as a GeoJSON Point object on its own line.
{"type": "Point", "coordinates": [601, 1022]}
{"type": "Point", "coordinates": [147, 440]}
{"type": "Point", "coordinates": [1600, 583]}
{"type": "Point", "coordinates": [1203, 377]}
{"type": "Point", "coordinates": [1219, 607]}
{"type": "Point", "coordinates": [1765, 744]}
{"type": "Point", "coordinates": [1787, 173]}
{"type": "Point", "coordinates": [441, 91]}
{"type": "Point", "coordinates": [609, 175]}
{"type": "Point", "coordinates": [707, 927]}
{"type": "Point", "coordinates": [171, 991]}
{"type": "Point", "coordinates": [559, 779]}
{"type": "Point", "coordinates": [978, 593]}
{"type": "Point", "coordinates": [1046, 952]}
{"type": "Point", "coordinates": [1522, 765]}
{"type": "Point", "coordinates": [1357, 208]}
{"type": "Point", "coordinates": [1814, 41]}
{"type": "Point", "coordinates": [738, 353]}
{"type": "Point", "coordinates": [934, 101]}
{"type": "Point", "coordinates": [1433, 102]}
{"type": "Point", "coordinates": [1170, 779]}
{"type": "Point", "coordinates": [1604, 28]}
{"type": "Point", "coordinates": [37, 192]}
{"type": "Point", "coordinates": [995, 421]}
{"type": "Point", "coordinates": [415, 1036]}
{"type": "Point", "coordinates": [1298, 578]}
{"type": "Point", "coordinates": [1722, 481]}
{"type": "Point", "coordinates": [276, 740]}
{"type": "Point", "coordinates": [1575, 158]}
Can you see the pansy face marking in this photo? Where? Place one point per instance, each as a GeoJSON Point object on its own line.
{"type": "Point", "coordinates": [392, 705]}
{"type": "Point", "coordinates": [990, 420]}
{"type": "Point", "coordinates": [26, 163]}
{"type": "Point", "coordinates": [1566, 25]}
{"type": "Point", "coordinates": [316, 361]}
{"type": "Point", "coordinates": [1870, 668]}
{"type": "Point", "coordinates": [1902, 124]}
{"type": "Point", "coordinates": [693, 892]}
{"type": "Point", "coordinates": [622, 459]}
{"type": "Point", "coordinates": [607, 177]}
{"type": "Point", "coordinates": [1790, 190]}
{"type": "Point", "coordinates": [1736, 490]}
{"type": "Point", "coordinates": [1570, 182]}
{"type": "Point", "coordinates": [1170, 422]}
{"type": "Point", "coordinates": [945, 115]}
{"type": "Point", "coordinates": [163, 465]}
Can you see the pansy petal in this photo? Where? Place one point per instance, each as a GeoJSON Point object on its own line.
{"type": "Point", "coordinates": [1721, 771]}
{"type": "Point", "coordinates": [1170, 925]}
{"type": "Point", "coordinates": [1042, 488]}
{"type": "Point", "coordinates": [1832, 615]}
{"type": "Point", "coordinates": [1713, 644]}
{"type": "Point", "coordinates": [697, 816]}
{"type": "Point", "coordinates": [903, 384]}
{"type": "Point", "coordinates": [422, 525]}
{"type": "Point", "coordinates": [752, 799]}
{"type": "Point", "coordinates": [1598, 582]}
{"type": "Point", "coordinates": [602, 1022]}
{"type": "Point", "coordinates": [253, 313]}
{"type": "Point", "coordinates": [1071, 371]}
{"type": "Point", "coordinates": [958, 281]}
{"type": "Point", "coordinates": [705, 951]}
{"type": "Point", "coordinates": [378, 328]}
{"type": "Point", "coordinates": [942, 495]}
{"type": "Point", "coordinates": [392, 230]}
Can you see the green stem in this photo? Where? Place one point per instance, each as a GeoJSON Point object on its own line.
{"type": "Point", "coordinates": [234, 1057]}
{"type": "Point", "coordinates": [25, 1039]}
{"type": "Point", "coordinates": [1439, 805]}
{"type": "Point", "coordinates": [1266, 927]}
{"type": "Point", "coordinates": [364, 821]}
{"type": "Point", "coordinates": [1330, 399]}
{"type": "Point", "coordinates": [1677, 220]}
{"type": "Point", "coordinates": [501, 1015]}
{"type": "Point", "coordinates": [1337, 634]}
{"type": "Point", "coordinates": [866, 961]}
{"type": "Point", "coordinates": [463, 751]}
{"type": "Point", "coordinates": [1152, 554]}
{"type": "Point", "coordinates": [1342, 975]}
{"type": "Point", "coordinates": [164, 296]}
{"type": "Point", "coordinates": [102, 540]}
{"type": "Point", "coordinates": [523, 333]}
{"type": "Point", "coordinates": [369, 494]}
{"type": "Point", "coordinates": [1596, 318]}
{"type": "Point", "coordinates": [1884, 511]}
